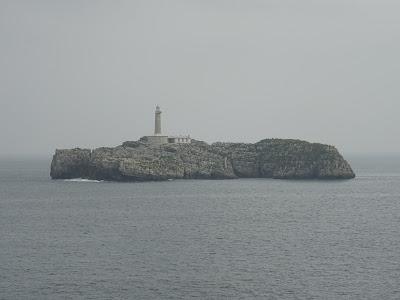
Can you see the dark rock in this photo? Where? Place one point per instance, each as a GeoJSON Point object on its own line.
{"type": "Point", "coordinates": [70, 163]}
{"type": "Point", "coordinates": [138, 161]}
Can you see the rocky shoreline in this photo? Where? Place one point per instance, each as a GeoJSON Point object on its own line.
{"type": "Point", "coordinates": [140, 161]}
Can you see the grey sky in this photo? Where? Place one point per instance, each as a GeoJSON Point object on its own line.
{"type": "Point", "coordinates": [89, 73]}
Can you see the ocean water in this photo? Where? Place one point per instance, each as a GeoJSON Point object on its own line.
{"type": "Point", "coordinates": [222, 239]}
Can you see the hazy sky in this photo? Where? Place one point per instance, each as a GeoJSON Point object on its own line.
{"type": "Point", "coordinates": [89, 73]}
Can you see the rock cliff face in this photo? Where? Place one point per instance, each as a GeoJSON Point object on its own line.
{"type": "Point", "coordinates": [138, 161]}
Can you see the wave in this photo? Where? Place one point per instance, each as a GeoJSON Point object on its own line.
{"type": "Point", "coordinates": [82, 180]}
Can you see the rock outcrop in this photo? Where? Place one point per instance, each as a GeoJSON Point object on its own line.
{"type": "Point", "coordinates": [139, 161]}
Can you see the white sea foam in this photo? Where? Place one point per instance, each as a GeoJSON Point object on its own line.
{"type": "Point", "coordinates": [82, 180]}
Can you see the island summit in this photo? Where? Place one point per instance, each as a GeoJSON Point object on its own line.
{"type": "Point", "coordinates": [163, 157]}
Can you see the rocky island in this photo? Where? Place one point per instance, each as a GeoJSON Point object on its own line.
{"type": "Point", "coordinates": [161, 157]}
{"type": "Point", "coordinates": [143, 161]}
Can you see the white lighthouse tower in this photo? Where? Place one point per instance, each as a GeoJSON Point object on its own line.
{"type": "Point", "coordinates": [158, 138]}
{"type": "Point", "coordinates": [157, 125]}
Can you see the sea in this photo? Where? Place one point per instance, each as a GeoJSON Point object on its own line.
{"type": "Point", "coordinates": [204, 239]}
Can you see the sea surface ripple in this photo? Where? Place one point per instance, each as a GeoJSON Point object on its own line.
{"type": "Point", "coordinates": [221, 239]}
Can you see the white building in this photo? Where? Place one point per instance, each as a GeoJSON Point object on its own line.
{"type": "Point", "coordinates": [179, 139]}
{"type": "Point", "coordinates": [159, 138]}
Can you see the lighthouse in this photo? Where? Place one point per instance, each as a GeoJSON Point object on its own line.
{"type": "Point", "coordinates": [157, 123]}
{"type": "Point", "coordinates": [158, 138]}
